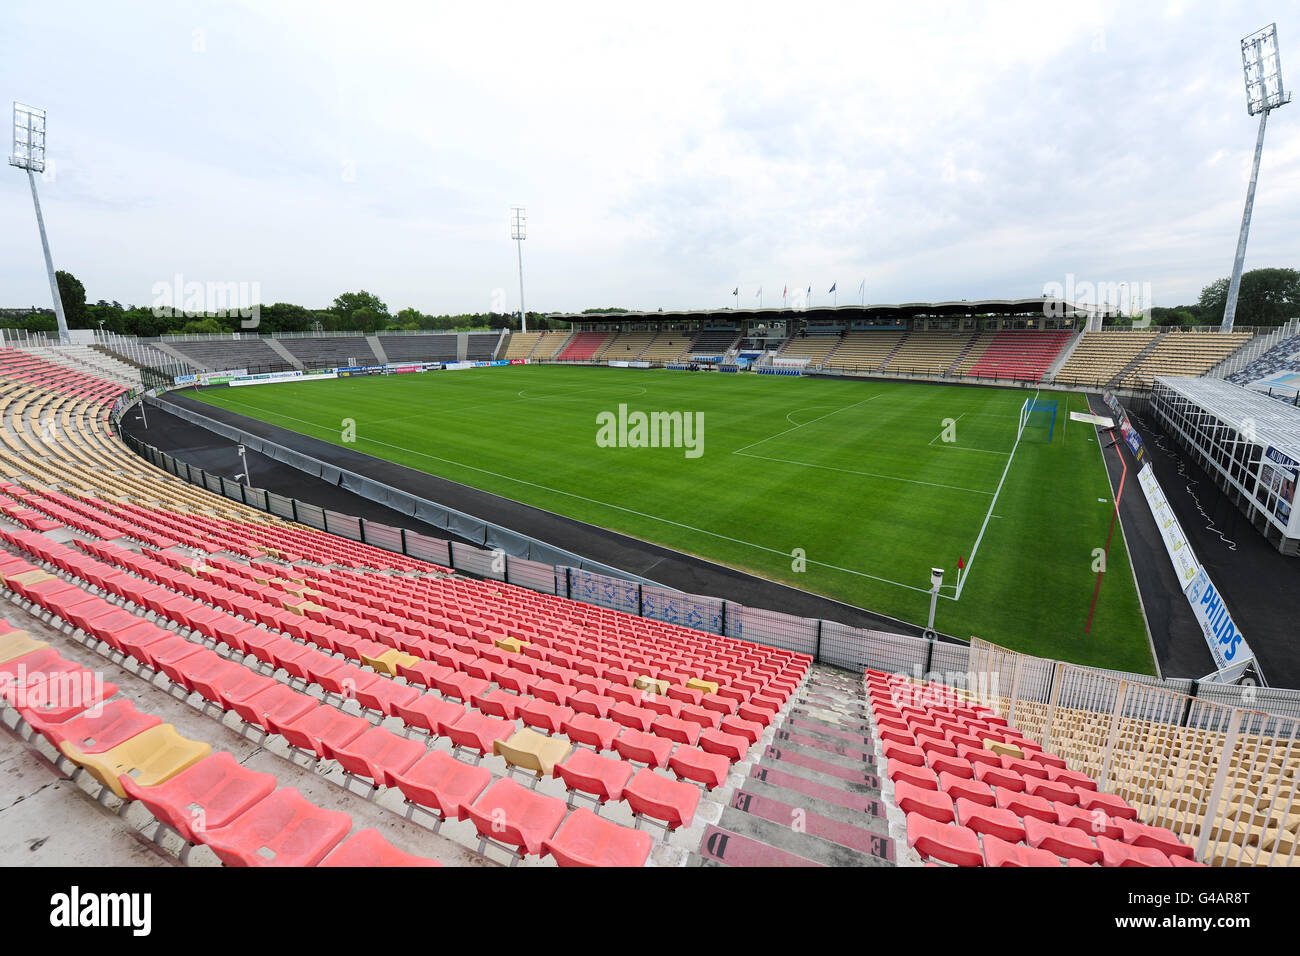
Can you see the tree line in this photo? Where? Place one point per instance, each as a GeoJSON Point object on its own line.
{"type": "Point", "coordinates": [1266, 297]}
{"type": "Point", "coordinates": [349, 312]}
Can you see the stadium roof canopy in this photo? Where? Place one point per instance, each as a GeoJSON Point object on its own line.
{"type": "Point", "coordinates": [1042, 305]}
{"type": "Point", "coordinates": [1274, 423]}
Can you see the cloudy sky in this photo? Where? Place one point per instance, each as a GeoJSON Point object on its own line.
{"type": "Point", "coordinates": [665, 154]}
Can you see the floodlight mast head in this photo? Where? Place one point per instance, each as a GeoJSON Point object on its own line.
{"type": "Point", "coordinates": [29, 139]}
{"type": "Point", "coordinates": [1262, 66]}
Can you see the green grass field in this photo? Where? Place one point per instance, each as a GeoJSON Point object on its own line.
{"type": "Point", "coordinates": [856, 475]}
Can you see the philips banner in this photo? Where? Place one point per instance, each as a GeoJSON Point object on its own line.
{"type": "Point", "coordinates": [1227, 643]}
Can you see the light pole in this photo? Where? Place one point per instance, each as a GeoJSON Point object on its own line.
{"type": "Point", "coordinates": [519, 233]}
{"type": "Point", "coordinates": [29, 154]}
{"type": "Point", "coordinates": [1263, 71]}
{"type": "Point", "coordinates": [936, 580]}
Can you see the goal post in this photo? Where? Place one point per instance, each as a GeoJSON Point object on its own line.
{"type": "Point", "coordinates": [1037, 420]}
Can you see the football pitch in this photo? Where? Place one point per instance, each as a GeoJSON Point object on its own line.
{"type": "Point", "coordinates": [852, 489]}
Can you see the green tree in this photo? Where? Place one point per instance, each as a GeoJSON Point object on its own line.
{"type": "Point", "coordinates": [1266, 297]}
{"type": "Point", "coordinates": [73, 295]}
{"type": "Point", "coordinates": [360, 311]}
{"type": "Point", "coordinates": [206, 326]}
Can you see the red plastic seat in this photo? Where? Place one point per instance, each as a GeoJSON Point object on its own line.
{"type": "Point", "coordinates": [731, 746]}
{"type": "Point", "coordinates": [500, 703]}
{"type": "Point", "coordinates": [943, 841]}
{"type": "Point", "coordinates": [378, 754]}
{"type": "Point", "coordinates": [367, 848]}
{"type": "Point", "coordinates": [922, 777]}
{"type": "Point", "coordinates": [427, 710]}
{"type": "Point", "coordinates": [512, 814]}
{"type": "Point", "coordinates": [710, 719]}
{"type": "Point", "coordinates": [476, 731]}
{"type": "Point", "coordinates": [441, 782]}
{"type": "Point", "coordinates": [739, 727]}
{"type": "Point", "coordinates": [602, 777]}
{"type": "Point", "coordinates": [383, 695]}
{"type": "Point", "coordinates": [208, 795]}
{"type": "Point", "coordinates": [691, 763]}
{"type": "Point", "coordinates": [1114, 853]}
{"type": "Point", "coordinates": [285, 829]}
{"type": "Point", "coordinates": [929, 803]}
{"type": "Point", "coordinates": [546, 716]}
{"type": "Point", "coordinates": [659, 798]}
{"type": "Point", "coordinates": [96, 731]}
{"type": "Point", "coordinates": [587, 702]}
{"type": "Point", "coordinates": [676, 730]}
{"type": "Point", "coordinates": [1001, 853]}
{"type": "Point", "coordinates": [632, 716]}
{"type": "Point", "coordinates": [1063, 841]}
{"type": "Point", "coordinates": [959, 788]}
{"type": "Point", "coordinates": [643, 748]}
{"type": "Point", "coordinates": [277, 703]}
{"type": "Point", "coordinates": [1158, 838]}
{"type": "Point", "coordinates": [321, 730]}
{"type": "Point", "coordinates": [585, 839]}
{"type": "Point", "coordinates": [592, 731]}
{"type": "Point", "coordinates": [1026, 805]}
{"type": "Point", "coordinates": [1115, 807]}
{"type": "Point", "coordinates": [1092, 822]}
{"type": "Point", "coordinates": [999, 777]}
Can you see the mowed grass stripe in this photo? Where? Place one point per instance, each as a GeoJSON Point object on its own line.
{"type": "Point", "coordinates": [848, 475]}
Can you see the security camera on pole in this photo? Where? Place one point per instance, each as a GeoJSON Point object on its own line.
{"type": "Point", "coordinates": [936, 581]}
{"type": "Point", "coordinates": [243, 457]}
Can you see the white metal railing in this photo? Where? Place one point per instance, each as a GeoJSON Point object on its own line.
{"type": "Point", "coordinates": [1221, 775]}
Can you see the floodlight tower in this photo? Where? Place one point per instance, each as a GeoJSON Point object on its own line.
{"type": "Point", "coordinates": [29, 154]}
{"type": "Point", "coordinates": [519, 233]}
{"type": "Point", "coordinates": [1264, 92]}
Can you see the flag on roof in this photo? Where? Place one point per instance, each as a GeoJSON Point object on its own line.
{"type": "Point", "coordinates": [736, 291]}
{"type": "Point", "coordinates": [831, 289]}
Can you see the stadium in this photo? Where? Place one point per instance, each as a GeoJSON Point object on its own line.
{"type": "Point", "coordinates": [957, 583]}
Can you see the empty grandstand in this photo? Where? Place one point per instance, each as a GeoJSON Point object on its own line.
{"type": "Point", "coordinates": [584, 346]}
{"type": "Point", "coordinates": [423, 348]}
{"type": "Point", "coordinates": [330, 352]}
{"type": "Point", "coordinates": [930, 353]}
{"type": "Point", "coordinates": [1182, 353]}
{"type": "Point", "coordinates": [1101, 355]}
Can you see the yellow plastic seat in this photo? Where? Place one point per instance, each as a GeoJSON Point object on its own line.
{"type": "Point", "coordinates": [35, 576]}
{"type": "Point", "coordinates": [389, 661]}
{"type": "Point", "coordinates": [17, 643]}
{"type": "Point", "coordinates": [1006, 750]}
{"type": "Point", "coordinates": [529, 750]}
{"type": "Point", "coordinates": [150, 757]}
{"type": "Point", "coordinates": [511, 644]}
{"type": "Point", "coordinates": [655, 686]}
{"type": "Point", "coordinates": [707, 686]}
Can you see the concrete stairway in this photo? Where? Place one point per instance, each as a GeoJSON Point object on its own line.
{"type": "Point", "coordinates": [812, 798]}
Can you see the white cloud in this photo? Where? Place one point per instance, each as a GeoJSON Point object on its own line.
{"type": "Point", "coordinates": [664, 154]}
